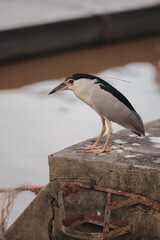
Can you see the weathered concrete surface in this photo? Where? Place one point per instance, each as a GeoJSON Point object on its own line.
{"type": "Point", "coordinates": [134, 167]}
{"type": "Point", "coordinates": [34, 222]}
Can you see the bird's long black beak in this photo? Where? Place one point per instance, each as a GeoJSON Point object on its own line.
{"type": "Point", "coordinates": [60, 87]}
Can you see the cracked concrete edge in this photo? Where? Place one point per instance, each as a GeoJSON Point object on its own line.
{"type": "Point", "coordinates": [142, 181]}
{"type": "Point", "coordinates": [112, 171]}
{"type": "Point", "coordinates": [35, 222]}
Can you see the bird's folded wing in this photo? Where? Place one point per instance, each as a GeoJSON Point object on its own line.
{"type": "Point", "coordinates": [107, 105]}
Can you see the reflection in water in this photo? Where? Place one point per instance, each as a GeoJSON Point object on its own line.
{"type": "Point", "coordinates": [33, 124]}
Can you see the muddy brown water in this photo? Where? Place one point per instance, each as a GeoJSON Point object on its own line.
{"type": "Point", "coordinates": [90, 60]}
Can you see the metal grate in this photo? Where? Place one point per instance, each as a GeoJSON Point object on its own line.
{"type": "Point", "coordinates": [111, 227]}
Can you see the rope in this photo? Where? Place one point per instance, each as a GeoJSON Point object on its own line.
{"type": "Point", "coordinates": [7, 197]}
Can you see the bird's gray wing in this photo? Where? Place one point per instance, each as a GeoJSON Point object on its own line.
{"type": "Point", "coordinates": [107, 105]}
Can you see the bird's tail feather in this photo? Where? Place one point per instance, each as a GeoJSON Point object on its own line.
{"type": "Point", "coordinates": [137, 123]}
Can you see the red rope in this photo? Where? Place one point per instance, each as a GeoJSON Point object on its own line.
{"type": "Point", "coordinates": [7, 197]}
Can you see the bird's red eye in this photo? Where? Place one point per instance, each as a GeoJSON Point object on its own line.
{"type": "Point", "coordinates": [71, 81]}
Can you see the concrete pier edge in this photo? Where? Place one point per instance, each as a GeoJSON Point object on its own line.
{"type": "Point", "coordinates": [133, 166]}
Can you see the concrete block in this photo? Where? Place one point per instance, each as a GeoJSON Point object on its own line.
{"type": "Point", "coordinates": [133, 166]}
{"type": "Point", "coordinates": [34, 222]}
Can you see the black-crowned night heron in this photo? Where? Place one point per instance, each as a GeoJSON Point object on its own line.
{"type": "Point", "coordinates": [107, 101]}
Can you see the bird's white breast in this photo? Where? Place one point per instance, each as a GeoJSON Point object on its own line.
{"type": "Point", "coordinates": [82, 90]}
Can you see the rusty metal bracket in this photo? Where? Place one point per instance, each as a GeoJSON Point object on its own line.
{"type": "Point", "coordinates": [111, 227]}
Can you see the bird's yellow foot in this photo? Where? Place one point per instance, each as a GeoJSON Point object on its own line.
{"type": "Point", "coordinates": [99, 151]}
{"type": "Point", "coordinates": [89, 147]}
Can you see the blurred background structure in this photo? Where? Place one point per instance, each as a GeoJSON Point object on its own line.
{"type": "Point", "coordinates": [41, 42]}
{"type": "Point", "coordinates": [35, 27]}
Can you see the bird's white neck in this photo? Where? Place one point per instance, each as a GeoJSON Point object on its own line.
{"type": "Point", "coordinates": [82, 90]}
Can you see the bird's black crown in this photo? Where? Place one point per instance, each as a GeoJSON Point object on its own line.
{"type": "Point", "coordinates": [77, 76]}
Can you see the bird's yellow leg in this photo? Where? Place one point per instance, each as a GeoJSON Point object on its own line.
{"type": "Point", "coordinates": [94, 146]}
{"type": "Point", "coordinates": [104, 149]}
